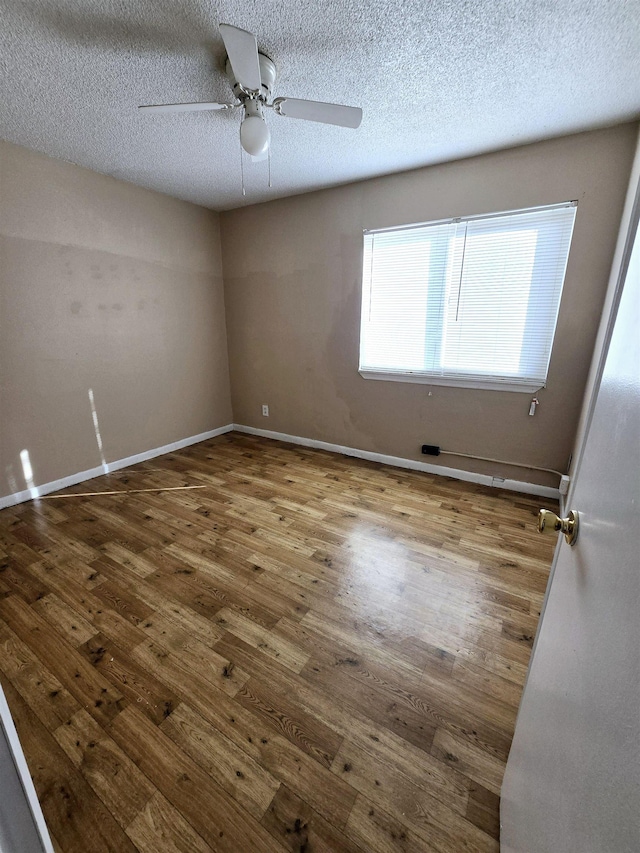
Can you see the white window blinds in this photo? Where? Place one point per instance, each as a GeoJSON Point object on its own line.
{"type": "Point", "coordinates": [472, 301]}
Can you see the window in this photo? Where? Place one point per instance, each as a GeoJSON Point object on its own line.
{"type": "Point", "coordinates": [470, 301]}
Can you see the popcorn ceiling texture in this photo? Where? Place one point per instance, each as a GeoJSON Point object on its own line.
{"type": "Point", "coordinates": [437, 81]}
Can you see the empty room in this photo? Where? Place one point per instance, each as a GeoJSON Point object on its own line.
{"type": "Point", "coordinates": [319, 427]}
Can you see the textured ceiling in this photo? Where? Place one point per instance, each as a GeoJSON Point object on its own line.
{"type": "Point", "coordinates": [437, 80]}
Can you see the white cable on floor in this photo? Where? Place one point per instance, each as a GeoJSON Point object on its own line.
{"type": "Point", "coordinates": [501, 462]}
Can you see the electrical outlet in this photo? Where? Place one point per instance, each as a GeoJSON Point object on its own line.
{"type": "Point", "coordinates": [265, 411]}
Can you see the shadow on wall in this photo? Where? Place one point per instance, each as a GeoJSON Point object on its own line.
{"type": "Point", "coordinates": [342, 348]}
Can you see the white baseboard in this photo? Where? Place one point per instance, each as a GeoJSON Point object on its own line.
{"type": "Point", "coordinates": [108, 467]}
{"type": "Point", "coordinates": [395, 461]}
{"type": "Point", "coordinates": [413, 465]}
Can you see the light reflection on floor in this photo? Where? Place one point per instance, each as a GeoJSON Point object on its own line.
{"type": "Point", "coordinates": [375, 579]}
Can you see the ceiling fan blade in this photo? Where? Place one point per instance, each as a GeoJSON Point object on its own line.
{"type": "Point", "coordinates": [242, 50]}
{"type": "Point", "coordinates": [319, 111]}
{"type": "Point", "coordinates": [185, 108]}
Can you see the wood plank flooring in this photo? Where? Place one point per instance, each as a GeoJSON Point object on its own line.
{"type": "Point", "coordinates": [311, 654]}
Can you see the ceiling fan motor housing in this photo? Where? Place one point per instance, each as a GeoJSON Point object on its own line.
{"type": "Point", "coordinates": [267, 79]}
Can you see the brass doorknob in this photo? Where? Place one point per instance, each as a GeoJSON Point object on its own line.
{"type": "Point", "coordinates": [549, 522]}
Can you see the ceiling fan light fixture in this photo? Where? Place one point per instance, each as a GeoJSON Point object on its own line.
{"type": "Point", "coordinates": [252, 76]}
{"type": "Point", "coordinates": [254, 135]}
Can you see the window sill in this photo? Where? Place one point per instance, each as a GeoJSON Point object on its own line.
{"type": "Point", "coordinates": [464, 382]}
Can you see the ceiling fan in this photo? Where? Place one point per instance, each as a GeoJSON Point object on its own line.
{"type": "Point", "coordinates": [252, 76]}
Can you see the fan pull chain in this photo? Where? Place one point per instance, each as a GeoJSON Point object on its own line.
{"type": "Point", "coordinates": [242, 171]}
{"type": "Point", "coordinates": [269, 161]}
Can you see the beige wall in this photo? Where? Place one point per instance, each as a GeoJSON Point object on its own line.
{"type": "Point", "coordinates": [109, 287]}
{"type": "Point", "coordinates": [292, 272]}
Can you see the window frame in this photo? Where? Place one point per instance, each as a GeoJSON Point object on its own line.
{"type": "Point", "coordinates": [464, 380]}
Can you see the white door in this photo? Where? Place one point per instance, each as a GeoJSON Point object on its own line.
{"type": "Point", "coordinates": [572, 783]}
{"type": "Point", "coordinates": [22, 826]}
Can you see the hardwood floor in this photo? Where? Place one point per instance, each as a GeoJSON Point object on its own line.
{"type": "Point", "coordinates": [311, 654]}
